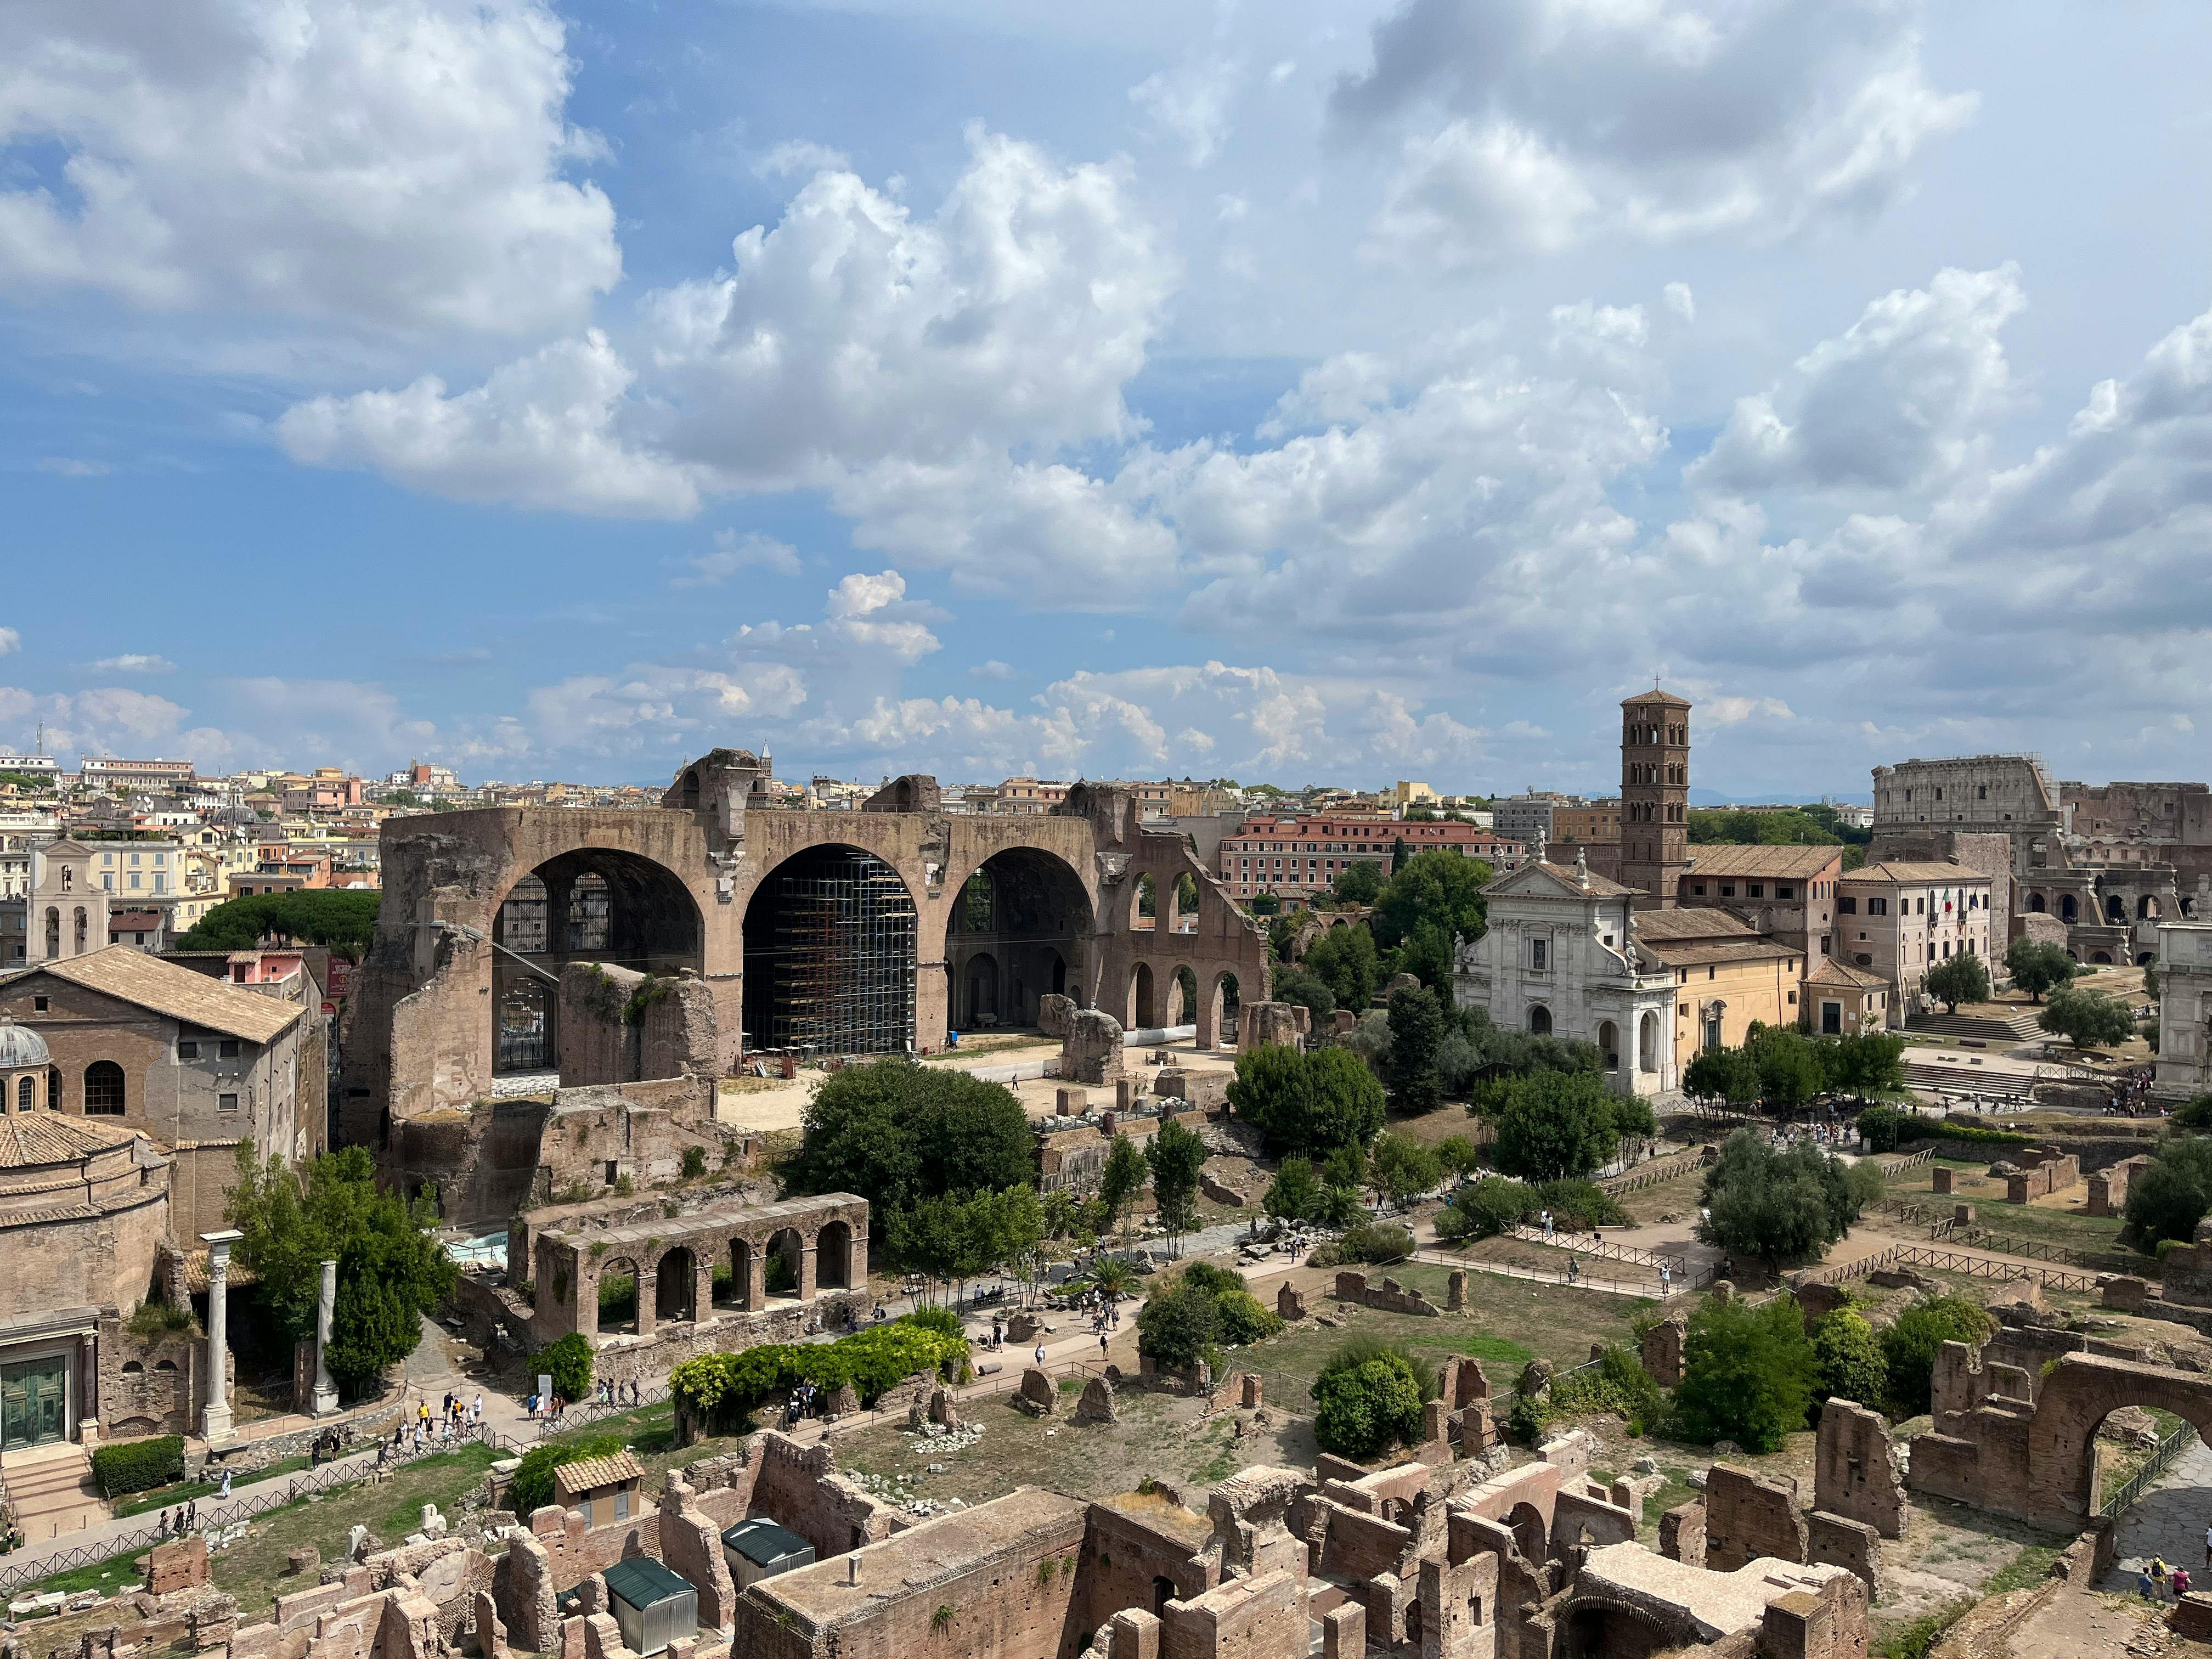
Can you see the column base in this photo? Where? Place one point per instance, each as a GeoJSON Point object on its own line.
{"type": "Point", "coordinates": [87, 1432]}
{"type": "Point", "coordinates": [325, 1402]}
{"type": "Point", "coordinates": [216, 1424]}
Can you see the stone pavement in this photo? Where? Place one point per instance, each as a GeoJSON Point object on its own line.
{"type": "Point", "coordinates": [2169, 1520]}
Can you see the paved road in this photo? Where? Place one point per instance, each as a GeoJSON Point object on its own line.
{"type": "Point", "coordinates": [2169, 1520]}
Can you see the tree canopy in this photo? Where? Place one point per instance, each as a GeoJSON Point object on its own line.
{"type": "Point", "coordinates": [1782, 1205]}
{"type": "Point", "coordinates": [1310, 1102]}
{"type": "Point", "coordinates": [342, 920]}
{"type": "Point", "coordinates": [894, 1131]}
{"type": "Point", "coordinates": [1748, 1373]}
{"type": "Point", "coordinates": [1556, 1124]}
{"type": "Point", "coordinates": [2167, 1199]}
{"type": "Point", "coordinates": [1962, 978]}
{"type": "Point", "coordinates": [1177, 1155]}
{"type": "Point", "coordinates": [1343, 959]}
{"type": "Point", "coordinates": [391, 1270]}
{"type": "Point", "coordinates": [2037, 968]}
{"type": "Point", "coordinates": [1366, 1399]}
{"type": "Point", "coordinates": [1909, 1342]}
{"type": "Point", "coordinates": [1787, 827]}
{"type": "Point", "coordinates": [1409, 1068]}
{"type": "Point", "coordinates": [2090, 1018]}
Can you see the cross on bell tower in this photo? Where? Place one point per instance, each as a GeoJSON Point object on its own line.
{"type": "Point", "coordinates": [1655, 795]}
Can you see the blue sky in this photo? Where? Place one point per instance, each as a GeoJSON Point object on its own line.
{"type": "Point", "coordinates": [1309, 391]}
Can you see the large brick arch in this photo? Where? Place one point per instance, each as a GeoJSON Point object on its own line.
{"type": "Point", "coordinates": [2081, 1392]}
{"type": "Point", "coordinates": [417, 1038]}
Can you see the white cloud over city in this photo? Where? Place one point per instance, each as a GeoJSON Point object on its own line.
{"type": "Point", "coordinates": [1302, 394]}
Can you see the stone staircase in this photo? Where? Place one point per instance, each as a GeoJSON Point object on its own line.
{"type": "Point", "coordinates": [2019, 1028]}
{"type": "Point", "coordinates": [49, 1489]}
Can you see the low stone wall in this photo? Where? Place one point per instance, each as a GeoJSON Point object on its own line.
{"type": "Point", "coordinates": [1389, 1296]}
{"type": "Point", "coordinates": [370, 1421]}
{"type": "Point", "coordinates": [645, 1359]}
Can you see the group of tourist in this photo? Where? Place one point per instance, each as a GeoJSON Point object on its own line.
{"type": "Point", "coordinates": [619, 1394]}
{"type": "Point", "coordinates": [2155, 1578]}
{"type": "Point", "coordinates": [2131, 1095]}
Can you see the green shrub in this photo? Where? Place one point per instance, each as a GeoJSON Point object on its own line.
{"type": "Point", "coordinates": [1245, 1319]}
{"type": "Point", "coordinates": [1366, 1400]}
{"type": "Point", "coordinates": [722, 1388]}
{"type": "Point", "coordinates": [568, 1363]}
{"type": "Point", "coordinates": [695, 1163]}
{"type": "Point", "coordinates": [1852, 1365]}
{"type": "Point", "coordinates": [1880, 1127]}
{"type": "Point", "coordinates": [1376, 1242]}
{"type": "Point", "coordinates": [1486, 1208]}
{"type": "Point", "coordinates": [1747, 1373]}
{"type": "Point", "coordinates": [942, 1320]}
{"type": "Point", "coordinates": [1974, 1137]}
{"type": "Point", "coordinates": [1579, 1205]}
{"type": "Point", "coordinates": [1909, 1347]}
{"type": "Point", "coordinates": [1617, 1383]}
{"type": "Point", "coordinates": [531, 1488]}
{"type": "Point", "coordinates": [138, 1465]}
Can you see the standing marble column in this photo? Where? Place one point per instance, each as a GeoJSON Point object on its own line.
{"type": "Point", "coordinates": [214, 1416]}
{"type": "Point", "coordinates": [326, 1302]}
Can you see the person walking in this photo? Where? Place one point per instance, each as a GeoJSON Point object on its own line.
{"type": "Point", "coordinates": [225, 1494]}
{"type": "Point", "coordinates": [2180, 1581]}
{"type": "Point", "coordinates": [1102, 1344]}
{"type": "Point", "coordinates": [1039, 1355]}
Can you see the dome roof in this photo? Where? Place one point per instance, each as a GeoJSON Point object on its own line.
{"type": "Point", "coordinates": [21, 1046]}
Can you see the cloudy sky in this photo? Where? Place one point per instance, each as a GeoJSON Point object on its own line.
{"type": "Point", "coordinates": [1357, 390]}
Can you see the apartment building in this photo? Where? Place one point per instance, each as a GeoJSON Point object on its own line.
{"type": "Point", "coordinates": [1899, 919]}
{"type": "Point", "coordinates": [1294, 858]}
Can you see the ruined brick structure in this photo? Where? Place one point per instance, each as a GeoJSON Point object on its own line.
{"type": "Point", "coordinates": [822, 1243]}
{"type": "Point", "coordinates": [1082, 902]}
{"type": "Point", "coordinates": [2043, 1171]}
{"type": "Point", "coordinates": [2106, 863]}
{"type": "Point", "coordinates": [2029, 1449]}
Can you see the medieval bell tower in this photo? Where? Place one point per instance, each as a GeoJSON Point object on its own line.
{"type": "Point", "coordinates": [1655, 795]}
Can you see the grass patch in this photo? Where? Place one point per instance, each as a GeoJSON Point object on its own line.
{"type": "Point", "coordinates": [1912, 1641]}
{"type": "Point", "coordinates": [1502, 1349]}
{"type": "Point", "coordinates": [184, 1492]}
{"type": "Point", "coordinates": [106, 1577]}
{"type": "Point", "coordinates": [254, 1569]}
{"type": "Point", "coordinates": [2030, 1566]}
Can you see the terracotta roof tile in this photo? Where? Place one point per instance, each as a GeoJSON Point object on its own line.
{"type": "Point", "coordinates": [1784, 863]}
{"type": "Point", "coordinates": [133, 976]}
{"type": "Point", "coordinates": [589, 1473]}
{"type": "Point", "coordinates": [1689, 921]}
{"type": "Point", "coordinates": [27, 1139]}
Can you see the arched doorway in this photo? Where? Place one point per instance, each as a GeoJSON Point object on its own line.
{"type": "Point", "coordinates": [1018, 929]}
{"type": "Point", "coordinates": [2144, 958]}
{"type": "Point", "coordinates": [733, 1278]}
{"type": "Point", "coordinates": [1144, 903]}
{"type": "Point", "coordinates": [1186, 904]}
{"type": "Point", "coordinates": [2116, 907]}
{"type": "Point", "coordinates": [786, 1249]}
{"type": "Point", "coordinates": [1227, 1004]}
{"type": "Point", "coordinates": [2147, 908]}
{"type": "Point", "coordinates": [1539, 1020]}
{"type": "Point", "coordinates": [675, 1294]}
{"type": "Point", "coordinates": [1182, 1004]}
{"type": "Point", "coordinates": [2068, 910]}
{"type": "Point", "coordinates": [1143, 1013]}
{"type": "Point", "coordinates": [591, 904]}
{"type": "Point", "coordinates": [833, 1257]}
{"type": "Point", "coordinates": [619, 1297]}
{"type": "Point", "coordinates": [1608, 1044]}
{"type": "Point", "coordinates": [978, 1003]}
{"type": "Point", "coordinates": [1608, 1630]}
{"type": "Point", "coordinates": [1526, 1523]}
{"type": "Point", "coordinates": [829, 957]}
{"type": "Point", "coordinates": [2101, 958]}
{"type": "Point", "coordinates": [2035, 903]}
{"type": "Point", "coordinates": [1647, 1042]}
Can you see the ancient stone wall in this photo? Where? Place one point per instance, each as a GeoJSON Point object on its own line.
{"type": "Point", "coordinates": [1261, 1618]}
{"type": "Point", "coordinates": [1749, 1515]}
{"type": "Point", "coordinates": [1843, 1542]}
{"type": "Point", "coordinates": [2051, 1174]}
{"type": "Point", "coordinates": [2108, 1188]}
{"type": "Point", "coordinates": [1852, 1475]}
